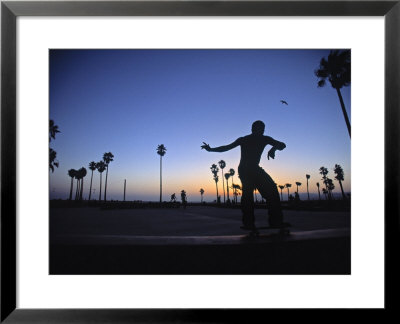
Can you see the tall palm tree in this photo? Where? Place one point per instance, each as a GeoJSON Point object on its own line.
{"type": "Point", "coordinates": [281, 187]}
{"type": "Point", "coordinates": [319, 194]}
{"type": "Point", "coordinates": [201, 193]}
{"type": "Point", "coordinates": [82, 173]}
{"type": "Point", "coordinates": [222, 165]}
{"type": "Point", "coordinates": [227, 176]}
{"type": "Point", "coordinates": [298, 184]}
{"type": "Point", "coordinates": [338, 170]}
{"type": "Point", "coordinates": [324, 172]}
{"type": "Point", "coordinates": [288, 185]}
{"type": "Point", "coordinates": [161, 150]}
{"type": "Point", "coordinates": [71, 173]}
{"type": "Point", "coordinates": [308, 194]}
{"type": "Point", "coordinates": [214, 171]}
{"type": "Point", "coordinates": [337, 69]}
{"type": "Point", "coordinates": [107, 158]}
{"type": "Point", "coordinates": [92, 167]}
{"type": "Point", "coordinates": [100, 166]}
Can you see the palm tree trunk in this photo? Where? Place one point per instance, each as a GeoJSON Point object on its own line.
{"type": "Point", "coordinates": [281, 195]}
{"type": "Point", "coordinates": [346, 118]}
{"type": "Point", "coordinates": [77, 189]}
{"type": "Point", "coordinates": [90, 191]}
{"type": "Point", "coordinates": [223, 183]}
{"type": "Point", "coordinates": [288, 194]}
{"type": "Point", "coordinates": [105, 186]}
{"type": "Point", "coordinates": [72, 185]}
{"type": "Point", "coordinates": [341, 188]}
{"type": "Point", "coordinates": [80, 196]}
{"type": "Point", "coordinates": [319, 194]}
{"type": "Point", "coordinates": [216, 186]}
{"type": "Point", "coordinates": [100, 186]}
{"type": "Point", "coordinates": [160, 179]}
{"type": "Point", "coordinates": [227, 189]}
{"type": "Point", "coordinates": [308, 194]}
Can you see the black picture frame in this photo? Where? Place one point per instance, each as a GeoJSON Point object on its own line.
{"type": "Point", "coordinates": [10, 10]}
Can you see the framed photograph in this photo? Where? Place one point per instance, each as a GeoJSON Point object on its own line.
{"type": "Point", "coordinates": [197, 147]}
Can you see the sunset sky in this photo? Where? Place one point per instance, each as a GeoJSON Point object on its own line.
{"type": "Point", "coordinates": [129, 101]}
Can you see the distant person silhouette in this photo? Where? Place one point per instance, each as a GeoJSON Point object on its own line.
{"type": "Point", "coordinates": [253, 176]}
{"type": "Point", "coordinates": [183, 198]}
{"type": "Point", "coordinates": [173, 198]}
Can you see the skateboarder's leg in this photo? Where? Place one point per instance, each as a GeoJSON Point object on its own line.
{"type": "Point", "coordinates": [267, 188]}
{"type": "Point", "coordinates": [247, 202]}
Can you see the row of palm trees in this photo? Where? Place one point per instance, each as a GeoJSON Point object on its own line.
{"type": "Point", "coordinates": [214, 170]}
{"type": "Point", "coordinates": [100, 166]}
{"type": "Point", "coordinates": [329, 185]}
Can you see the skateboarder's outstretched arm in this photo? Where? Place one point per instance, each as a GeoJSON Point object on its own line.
{"type": "Point", "coordinates": [223, 148]}
{"type": "Point", "coordinates": [276, 145]}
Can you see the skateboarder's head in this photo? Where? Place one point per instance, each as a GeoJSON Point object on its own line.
{"type": "Point", "coordinates": [258, 127]}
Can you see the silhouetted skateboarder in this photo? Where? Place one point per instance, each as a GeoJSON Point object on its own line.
{"type": "Point", "coordinates": [253, 176]}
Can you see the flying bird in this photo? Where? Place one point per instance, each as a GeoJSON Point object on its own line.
{"type": "Point", "coordinates": [284, 102]}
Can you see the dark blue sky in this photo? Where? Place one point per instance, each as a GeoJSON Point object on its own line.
{"type": "Point", "coordinates": [129, 101]}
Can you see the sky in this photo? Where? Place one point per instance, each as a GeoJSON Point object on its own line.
{"type": "Point", "coordinates": [129, 101]}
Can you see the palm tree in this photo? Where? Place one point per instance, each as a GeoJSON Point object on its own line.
{"type": "Point", "coordinates": [214, 171]}
{"type": "Point", "coordinates": [308, 194]}
{"type": "Point", "coordinates": [324, 172]}
{"type": "Point", "coordinates": [319, 194]}
{"type": "Point", "coordinates": [82, 173]}
{"type": "Point", "coordinates": [288, 185]}
{"type": "Point", "coordinates": [71, 173]}
{"type": "Point", "coordinates": [227, 175]}
{"type": "Point", "coordinates": [100, 166]}
{"type": "Point", "coordinates": [161, 150]}
{"type": "Point", "coordinates": [298, 184]}
{"type": "Point", "coordinates": [281, 187]}
{"type": "Point", "coordinates": [107, 158]}
{"type": "Point", "coordinates": [235, 188]}
{"type": "Point", "coordinates": [337, 69]}
{"type": "Point", "coordinates": [330, 186]}
{"type": "Point", "coordinates": [92, 167]}
{"type": "Point", "coordinates": [201, 193]}
{"type": "Point", "coordinates": [222, 165]}
{"type": "Point", "coordinates": [338, 170]}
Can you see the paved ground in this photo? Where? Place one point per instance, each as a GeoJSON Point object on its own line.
{"type": "Point", "coordinates": [195, 220]}
{"type": "Point", "coordinates": [198, 240]}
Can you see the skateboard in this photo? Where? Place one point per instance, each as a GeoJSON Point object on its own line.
{"type": "Point", "coordinates": [255, 232]}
